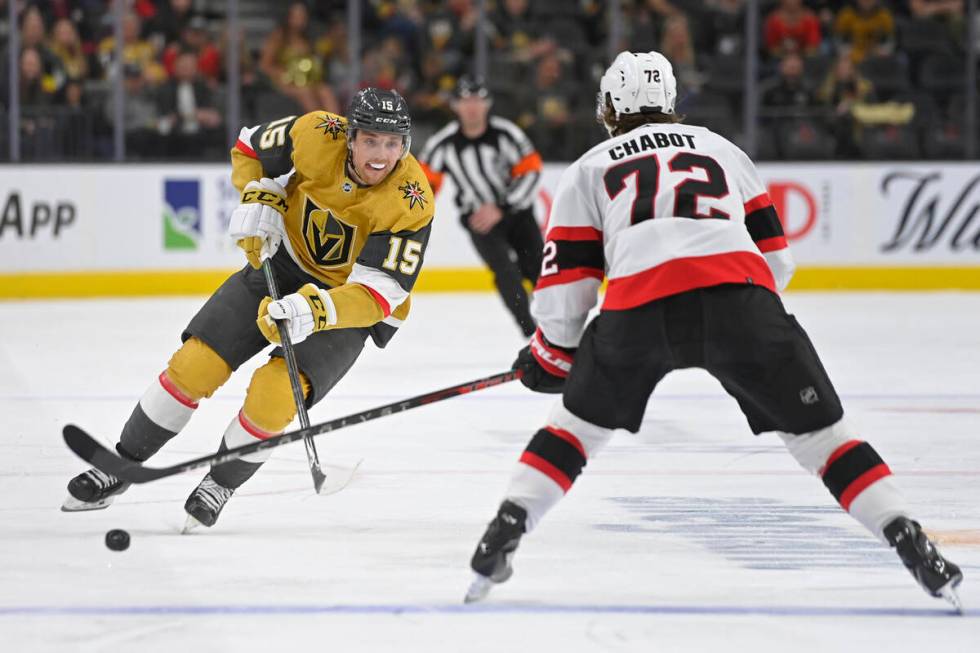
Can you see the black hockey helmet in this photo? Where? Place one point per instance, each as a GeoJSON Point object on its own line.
{"type": "Point", "coordinates": [470, 85]}
{"type": "Point", "coordinates": [380, 110]}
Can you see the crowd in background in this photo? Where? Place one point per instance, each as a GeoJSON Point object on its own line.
{"type": "Point", "coordinates": [877, 79]}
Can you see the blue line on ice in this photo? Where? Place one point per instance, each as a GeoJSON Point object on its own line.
{"type": "Point", "coordinates": [488, 608]}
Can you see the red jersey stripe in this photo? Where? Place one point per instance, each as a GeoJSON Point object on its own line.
{"type": "Point", "coordinates": [772, 244]}
{"type": "Point", "coordinates": [758, 202]}
{"type": "Point", "coordinates": [682, 274]}
{"type": "Point", "coordinates": [574, 233]}
{"type": "Point", "coordinates": [382, 302]}
{"type": "Point", "coordinates": [568, 276]}
{"type": "Point", "coordinates": [244, 148]}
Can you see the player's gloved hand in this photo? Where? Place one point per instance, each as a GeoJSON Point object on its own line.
{"type": "Point", "coordinates": [256, 224]}
{"type": "Point", "coordinates": [544, 365]}
{"type": "Point", "coordinates": [305, 312]}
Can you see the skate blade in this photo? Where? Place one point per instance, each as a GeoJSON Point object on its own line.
{"type": "Point", "coordinates": [72, 504]}
{"type": "Point", "coordinates": [478, 589]}
{"type": "Point", "coordinates": [190, 525]}
{"type": "Point", "coordinates": [949, 593]}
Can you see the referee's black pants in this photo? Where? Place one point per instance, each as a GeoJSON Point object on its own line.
{"type": "Point", "coordinates": [512, 250]}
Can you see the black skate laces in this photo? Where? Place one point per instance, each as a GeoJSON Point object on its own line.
{"type": "Point", "coordinates": [212, 493]}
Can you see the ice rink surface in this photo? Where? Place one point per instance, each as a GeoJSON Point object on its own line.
{"type": "Point", "coordinates": [693, 535]}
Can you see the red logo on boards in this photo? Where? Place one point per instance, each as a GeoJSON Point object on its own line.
{"type": "Point", "coordinates": [796, 207]}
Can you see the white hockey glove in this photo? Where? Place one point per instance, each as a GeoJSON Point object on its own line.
{"type": "Point", "coordinates": [256, 224]}
{"type": "Point", "coordinates": [305, 312]}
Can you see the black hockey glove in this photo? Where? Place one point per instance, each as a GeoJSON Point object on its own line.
{"type": "Point", "coordinates": [544, 365]}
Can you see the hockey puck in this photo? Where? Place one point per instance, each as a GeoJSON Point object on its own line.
{"type": "Point", "coordinates": [117, 539]}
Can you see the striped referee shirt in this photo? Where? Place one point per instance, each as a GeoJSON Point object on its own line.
{"type": "Point", "coordinates": [499, 167]}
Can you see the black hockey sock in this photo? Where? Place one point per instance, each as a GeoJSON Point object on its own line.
{"type": "Point", "coordinates": [161, 413]}
{"type": "Point", "coordinates": [142, 437]}
{"type": "Point", "coordinates": [234, 472]}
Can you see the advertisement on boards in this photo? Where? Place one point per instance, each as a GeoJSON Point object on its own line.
{"type": "Point", "coordinates": [156, 217]}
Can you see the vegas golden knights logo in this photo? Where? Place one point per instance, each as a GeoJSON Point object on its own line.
{"type": "Point", "coordinates": [328, 239]}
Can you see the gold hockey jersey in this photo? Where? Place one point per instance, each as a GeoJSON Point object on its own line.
{"type": "Point", "coordinates": [365, 243]}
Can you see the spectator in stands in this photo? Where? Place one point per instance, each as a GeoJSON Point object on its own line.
{"type": "Point", "coordinates": [516, 31]}
{"type": "Point", "coordinates": [140, 115]}
{"type": "Point", "coordinates": [38, 128]}
{"type": "Point", "coordinates": [430, 100]}
{"type": "Point", "coordinates": [452, 30]}
{"type": "Point", "coordinates": [788, 91]}
{"type": "Point", "coordinates": [384, 66]}
{"type": "Point", "coordinates": [641, 29]}
{"type": "Point", "coordinates": [36, 88]}
{"type": "Point", "coordinates": [676, 45]}
{"type": "Point", "coordinates": [949, 12]}
{"type": "Point", "coordinates": [137, 51]}
{"type": "Point", "coordinates": [66, 45]}
{"type": "Point", "coordinates": [723, 27]}
{"type": "Point", "coordinates": [33, 35]}
{"type": "Point", "coordinates": [867, 28]}
{"type": "Point", "coordinates": [189, 119]}
{"type": "Point", "coordinates": [332, 49]}
{"type": "Point", "coordinates": [197, 38]}
{"type": "Point", "coordinates": [842, 89]}
{"type": "Point", "coordinates": [792, 28]}
{"type": "Point", "coordinates": [75, 122]}
{"type": "Point", "coordinates": [290, 62]}
{"type": "Point", "coordinates": [549, 105]}
{"type": "Point", "coordinates": [172, 17]}
{"type": "Point", "coordinates": [403, 20]}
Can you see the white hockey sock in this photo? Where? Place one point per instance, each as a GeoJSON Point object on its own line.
{"type": "Point", "coordinates": [552, 461]}
{"type": "Point", "coordinates": [161, 413]}
{"type": "Point", "coordinates": [853, 472]}
{"type": "Point", "coordinates": [166, 405]}
{"type": "Point", "coordinates": [242, 431]}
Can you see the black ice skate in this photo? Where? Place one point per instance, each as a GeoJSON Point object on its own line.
{"type": "Point", "coordinates": [92, 490]}
{"type": "Point", "coordinates": [205, 503]}
{"type": "Point", "coordinates": [935, 574]}
{"type": "Point", "coordinates": [491, 560]}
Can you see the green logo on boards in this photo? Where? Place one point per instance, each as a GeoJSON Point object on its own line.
{"type": "Point", "coordinates": [181, 214]}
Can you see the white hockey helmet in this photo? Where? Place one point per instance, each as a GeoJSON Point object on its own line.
{"type": "Point", "coordinates": [637, 82]}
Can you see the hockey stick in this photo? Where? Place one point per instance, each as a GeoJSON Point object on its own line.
{"type": "Point", "coordinates": [287, 352]}
{"type": "Point", "coordinates": [94, 453]}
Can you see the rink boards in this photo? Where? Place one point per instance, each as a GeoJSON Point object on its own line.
{"type": "Point", "coordinates": [103, 230]}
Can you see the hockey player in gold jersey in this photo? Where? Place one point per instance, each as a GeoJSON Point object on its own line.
{"type": "Point", "coordinates": [343, 211]}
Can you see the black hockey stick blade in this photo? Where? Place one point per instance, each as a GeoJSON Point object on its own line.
{"type": "Point", "coordinates": [94, 453]}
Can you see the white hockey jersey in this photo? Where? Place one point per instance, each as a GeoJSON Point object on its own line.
{"type": "Point", "coordinates": [660, 210]}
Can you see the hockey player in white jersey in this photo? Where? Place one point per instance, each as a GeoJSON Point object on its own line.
{"type": "Point", "coordinates": [678, 221]}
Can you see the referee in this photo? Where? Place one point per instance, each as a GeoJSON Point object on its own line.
{"type": "Point", "coordinates": [496, 171]}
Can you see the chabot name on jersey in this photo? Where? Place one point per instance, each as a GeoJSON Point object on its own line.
{"type": "Point", "coordinates": [17, 219]}
{"type": "Point", "coordinates": [648, 141]}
